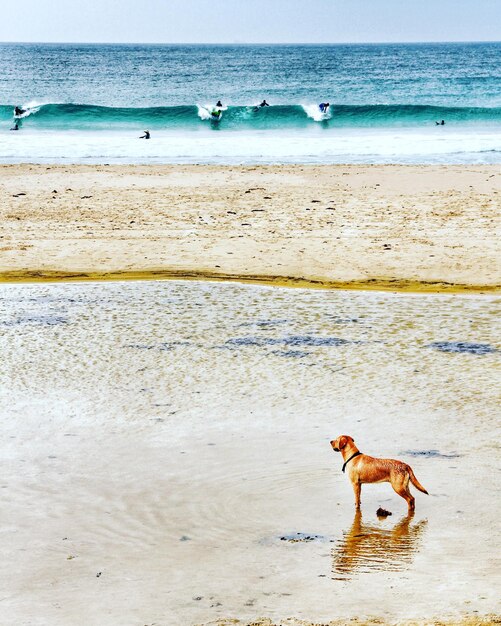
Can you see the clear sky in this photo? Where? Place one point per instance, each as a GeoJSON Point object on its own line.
{"type": "Point", "coordinates": [250, 21]}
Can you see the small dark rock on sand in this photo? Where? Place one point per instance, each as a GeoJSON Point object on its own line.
{"type": "Point", "coordinates": [383, 512]}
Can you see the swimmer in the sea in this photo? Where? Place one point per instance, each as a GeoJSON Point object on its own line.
{"type": "Point", "coordinates": [324, 107]}
{"type": "Point", "coordinates": [442, 123]}
{"type": "Point", "coordinates": [146, 135]}
{"type": "Point", "coordinates": [19, 111]}
{"type": "Point", "coordinates": [219, 104]}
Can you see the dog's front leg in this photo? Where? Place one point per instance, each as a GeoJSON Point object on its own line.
{"type": "Point", "coordinates": [357, 488]}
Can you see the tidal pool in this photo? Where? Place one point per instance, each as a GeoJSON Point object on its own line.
{"type": "Point", "coordinates": [165, 453]}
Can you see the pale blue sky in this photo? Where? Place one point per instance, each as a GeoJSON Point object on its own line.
{"type": "Point", "coordinates": [250, 21]}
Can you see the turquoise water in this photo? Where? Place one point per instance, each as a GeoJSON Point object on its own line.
{"type": "Point", "coordinates": [90, 102]}
{"type": "Point", "coordinates": [90, 117]}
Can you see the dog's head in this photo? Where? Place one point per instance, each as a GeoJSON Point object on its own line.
{"type": "Point", "coordinates": [342, 441]}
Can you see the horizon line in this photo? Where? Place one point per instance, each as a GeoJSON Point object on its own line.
{"type": "Point", "coordinates": [251, 43]}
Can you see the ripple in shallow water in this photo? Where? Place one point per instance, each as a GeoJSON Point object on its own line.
{"type": "Point", "coordinates": [431, 453]}
{"type": "Point", "coordinates": [42, 320]}
{"type": "Point", "coordinates": [303, 537]}
{"type": "Point", "coordinates": [253, 341]}
{"type": "Point", "coordinates": [163, 346]}
{"type": "Point", "coordinates": [264, 323]}
{"type": "Point", "coordinates": [294, 340]}
{"type": "Point", "coordinates": [294, 354]}
{"type": "Point", "coordinates": [308, 340]}
{"type": "Point", "coordinates": [462, 346]}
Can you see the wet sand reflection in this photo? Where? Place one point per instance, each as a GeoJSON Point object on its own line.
{"type": "Point", "coordinates": [371, 547]}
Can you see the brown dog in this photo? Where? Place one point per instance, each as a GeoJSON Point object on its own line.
{"type": "Point", "coordinates": [367, 469]}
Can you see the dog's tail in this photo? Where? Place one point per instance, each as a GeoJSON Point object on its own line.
{"type": "Point", "coordinates": [416, 482]}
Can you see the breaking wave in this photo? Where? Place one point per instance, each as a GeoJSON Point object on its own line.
{"type": "Point", "coordinates": [94, 117]}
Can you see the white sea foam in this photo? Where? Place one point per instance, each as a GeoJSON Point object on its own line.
{"type": "Point", "coordinates": [315, 113]}
{"type": "Point", "coordinates": [204, 112]}
{"type": "Point", "coordinates": [33, 106]}
{"type": "Point", "coordinates": [432, 145]}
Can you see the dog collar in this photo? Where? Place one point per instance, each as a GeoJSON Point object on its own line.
{"type": "Point", "coordinates": [351, 457]}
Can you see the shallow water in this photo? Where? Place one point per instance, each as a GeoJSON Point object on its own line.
{"type": "Point", "coordinates": [166, 453]}
{"type": "Point", "coordinates": [450, 144]}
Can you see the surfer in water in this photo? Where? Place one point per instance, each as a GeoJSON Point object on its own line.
{"type": "Point", "coordinates": [146, 135]}
{"type": "Point", "coordinates": [324, 107]}
{"type": "Point", "coordinates": [442, 123]}
{"type": "Point", "coordinates": [15, 127]}
{"type": "Point", "coordinates": [261, 106]}
{"type": "Point", "coordinates": [217, 111]}
{"type": "Point", "coordinates": [19, 111]}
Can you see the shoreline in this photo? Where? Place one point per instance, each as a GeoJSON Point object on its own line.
{"type": "Point", "coordinates": [403, 228]}
{"type": "Point", "coordinates": [289, 282]}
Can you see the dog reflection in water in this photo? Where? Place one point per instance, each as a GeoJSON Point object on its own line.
{"type": "Point", "coordinates": [372, 547]}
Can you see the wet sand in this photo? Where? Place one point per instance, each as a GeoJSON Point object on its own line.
{"type": "Point", "coordinates": [166, 455]}
{"type": "Point", "coordinates": [410, 228]}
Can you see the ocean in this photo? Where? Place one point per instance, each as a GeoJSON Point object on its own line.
{"type": "Point", "coordinates": [90, 103]}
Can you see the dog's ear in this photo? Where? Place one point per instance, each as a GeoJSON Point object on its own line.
{"type": "Point", "coordinates": [343, 440]}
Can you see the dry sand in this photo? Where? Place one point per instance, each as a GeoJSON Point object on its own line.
{"type": "Point", "coordinates": [489, 620]}
{"type": "Point", "coordinates": [395, 227]}
{"type": "Point", "coordinates": [469, 621]}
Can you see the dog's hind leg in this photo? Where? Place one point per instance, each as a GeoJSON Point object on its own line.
{"type": "Point", "coordinates": [400, 484]}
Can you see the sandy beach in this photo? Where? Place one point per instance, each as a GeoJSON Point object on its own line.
{"type": "Point", "coordinates": [167, 458]}
{"type": "Point", "coordinates": [416, 228]}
